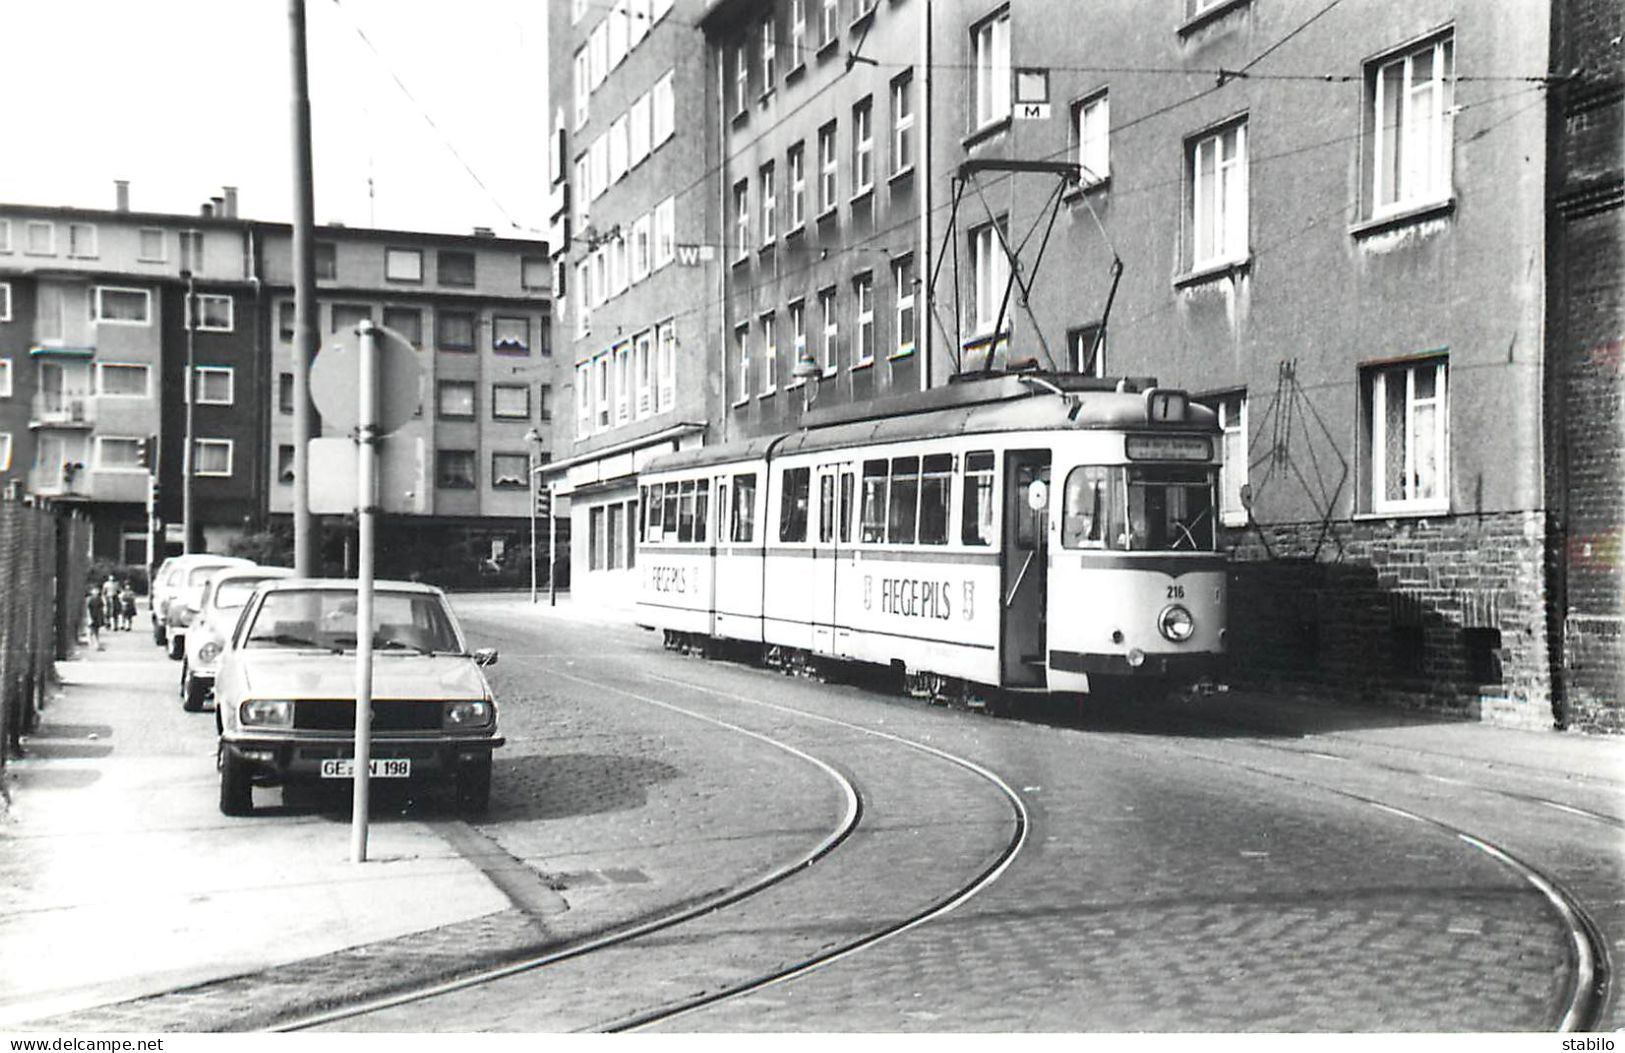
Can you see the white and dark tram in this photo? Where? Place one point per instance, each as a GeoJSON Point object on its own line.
{"type": "Point", "coordinates": [1010, 534]}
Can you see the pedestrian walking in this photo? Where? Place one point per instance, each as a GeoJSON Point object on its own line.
{"type": "Point", "coordinates": [95, 617]}
{"type": "Point", "coordinates": [126, 607]}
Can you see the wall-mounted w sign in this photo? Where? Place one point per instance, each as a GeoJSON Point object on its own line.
{"type": "Point", "coordinates": [693, 255]}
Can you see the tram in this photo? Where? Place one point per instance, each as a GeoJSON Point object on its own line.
{"type": "Point", "coordinates": [1016, 533]}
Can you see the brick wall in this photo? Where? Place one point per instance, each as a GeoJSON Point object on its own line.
{"type": "Point", "coordinates": [1401, 612]}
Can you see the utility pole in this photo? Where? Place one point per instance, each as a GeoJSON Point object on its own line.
{"type": "Point", "coordinates": [304, 294]}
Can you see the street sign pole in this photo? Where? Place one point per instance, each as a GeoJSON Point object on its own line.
{"type": "Point", "coordinates": [366, 512]}
{"type": "Point", "coordinates": [552, 554]}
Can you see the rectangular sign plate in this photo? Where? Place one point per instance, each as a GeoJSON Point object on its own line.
{"type": "Point", "coordinates": [379, 767]}
{"type": "Point", "coordinates": [1169, 447]}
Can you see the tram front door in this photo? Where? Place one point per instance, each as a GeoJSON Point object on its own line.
{"type": "Point", "coordinates": [1025, 568]}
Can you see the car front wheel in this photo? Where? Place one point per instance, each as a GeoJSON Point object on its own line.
{"type": "Point", "coordinates": [236, 785]}
{"type": "Point", "coordinates": [474, 785]}
{"type": "Point", "coordinates": [193, 692]}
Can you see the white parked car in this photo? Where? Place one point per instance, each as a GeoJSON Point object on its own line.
{"type": "Point", "coordinates": [178, 579]}
{"type": "Point", "coordinates": [285, 693]}
{"type": "Point", "coordinates": [220, 604]}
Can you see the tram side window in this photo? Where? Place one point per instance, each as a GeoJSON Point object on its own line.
{"type": "Point", "coordinates": [874, 503]}
{"type": "Point", "coordinates": [643, 521]}
{"type": "Point", "coordinates": [669, 513]}
{"type": "Point", "coordinates": [793, 504]}
{"type": "Point", "coordinates": [904, 500]}
{"type": "Point", "coordinates": [826, 508]}
{"type": "Point", "coordinates": [935, 494]}
{"type": "Point", "coordinates": [685, 511]}
{"type": "Point", "coordinates": [848, 480]}
{"type": "Point", "coordinates": [744, 519]}
{"type": "Point", "coordinates": [976, 521]}
{"type": "Point", "coordinates": [702, 508]}
{"type": "Point", "coordinates": [1087, 518]}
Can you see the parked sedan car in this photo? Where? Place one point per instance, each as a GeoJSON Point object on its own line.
{"type": "Point", "coordinates": [220, 604]}
{"type": "Point", "coordinates": [285, 692]}
{"type": "Point", "coordinates": [175, 579]}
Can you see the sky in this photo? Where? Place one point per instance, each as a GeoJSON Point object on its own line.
{"type": "Point", "coordinates": [182, 97]}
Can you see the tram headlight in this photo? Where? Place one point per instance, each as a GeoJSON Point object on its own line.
{"type": "Point", "coordinates": [1175, 623]}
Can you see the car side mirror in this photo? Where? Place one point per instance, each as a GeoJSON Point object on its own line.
{"type": "Point", "coordinates": [485, 656]}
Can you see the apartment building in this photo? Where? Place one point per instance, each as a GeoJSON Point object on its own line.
{"type": "Point", "coordinates": [454, 481]}
{"type": "Point", "coordinates": [1331, 224]}
{"type": "Point", "coordinates": [634, 230]}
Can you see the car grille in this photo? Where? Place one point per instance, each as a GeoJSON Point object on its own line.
{"type": "Point", "coordinates": [339, 715]}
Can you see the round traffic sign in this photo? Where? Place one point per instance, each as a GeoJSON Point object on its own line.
{"type": "Point", "coordinates": [335, 381]}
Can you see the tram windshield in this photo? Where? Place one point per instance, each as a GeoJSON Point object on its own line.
{"type": "Point", "coordinates": [1142, 508]}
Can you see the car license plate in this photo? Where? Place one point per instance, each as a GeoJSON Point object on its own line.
{"type": "Point", "coordinates": [378, 767]}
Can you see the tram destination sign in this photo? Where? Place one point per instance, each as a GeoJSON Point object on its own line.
{"type": "Point", "coordinates": [1168, 447]}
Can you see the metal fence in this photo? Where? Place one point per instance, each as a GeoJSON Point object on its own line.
{"type": "Point", "coordinates": [43, 562]}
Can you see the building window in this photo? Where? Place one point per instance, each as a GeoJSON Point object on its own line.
{"type": "Point", "coordinates": [403, 265]}
{"type": "Point", "coordinates": [454, 469]}
{"type": "Point", "coordinates": [829, 341]}
{"type": "Point", "coordinates": [770, 54]}
{"type": "Point", "coordinates": [583, 399]}
{"type": "Point", "coordinates": [638, 130]}
{"type": "Point", "coordinates": [827, 168]}
{"type": "Point", "coordinates": [863, 291]}
{"type": "Point", "coordinates": [770, 354]}
{"type": "Point", "coordinates": [122, 380]}
{"type": "Point", "coordinates": [510, 335]}
{"type": "Point", "coordinates": [1091, 121]}
{"type": "Point", "coordinates": [990, 270]}
{"type": "Point", "coordinates": [798, 34]}
{"type": "Point", "coordinates": [545, 403]}
{"type": "Point", "coordinates": [623, 382]}
{"type": "Point", "coordinates": [455, 268]}
{"type": "Point", "coordinates": [284, 319]}
{"type": "Point", "coordinates": [326, 261]}
{"type": "Point", "coordinates": [1411, 98]}
{"type": "Point", "coordinates": [284, 464]}
{"type": "Point", "coordinates": [665, 232]}
{"type": "Point", "coordinates": [770, 205]}
{"type": "Point", "coordinates": [533, 272]}
{"type": "Point", "coordinates": [5, 378]}
{"type": "Point", "coordinates": [39, 238]}
{"type": "Point", "coordinates": [118, 454]}
{"type": "Point", "coordinates": [150, 246]}
{"type": "Point", "coordinates": [1217, 169]}
{"type": "Point", "coordinates": [990, 64]}
{"type": "Point", "coordinates": [596, 539]}
{"type": "Point", "coordinates": [829, 21]}
{"type": "Point", "coordinates": [796, 162]}
{"type": "Point", "coordinates": [345, 317]}
{"type": "Point", "coordinates": [1233, 493]}
{"type": "Point", "coordinates": [583, 88]}
{"type": "Point", "coordinates": [82, 241]}
{"type": "Point", "coordinates": [642, 247]}
{"type": "Point", "coordinates": [741, 219]}
{"type": "Point", "coordinates": [510, 471]}
{"type": "Point", "coordinates": [211, 457]}
{"type": "Point", "coordinates": [1407, 420]}
{"type": "Point", "coordinates": [284, 393]}
{"type": "Point", "coordinates": [902, 123]}
{"type": "Point", "coordinates": [741, 78]}
{"type": "Point", "coordinates": [5, 235]}
{"type": "Point", "coordinates": [666, 351]}
{"type": "Point", "coordinates": [1086, 350]}
{"type": "Point", "coordinates": [216, 385]}
{"type": "Point", "coordinates": [664, 119]}
{"type": "Point", "coordinates": [863, 147]}
{"type": "Point", "coordinates": [798, 337]}
{"type": "Point", "coordinates": [215, 312]}
{"type": "Point", "coordinates": [510, 401]}
{"type": "Point", "coordinates": [454, 330]}
{"type": "Point", "coordinates": [454, 399]}
{"type": "Point", "coordinates": [407, 322]}
{"type": "Point", "coordinates": [902, 272]}
{"type": "Point", "coordinates": [601, 400]}
{"type": "Point", "coordinates": [643, 367]}
{"type": "Point", "coordinates": [5, 301]}
{"type": "Point", "coordinates": [114, 306]}
{"type": "Point", "coordinates": [5, 451]}
{"type": "Point", "coordinates": [620, 148]}
{"type": "Point", "coordinates": [742, 356]}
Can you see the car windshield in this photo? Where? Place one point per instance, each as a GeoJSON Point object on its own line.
{"type": "Point", "coordinates": [234, 592]}
{"type": "Point", "coordinates": [326, 618]}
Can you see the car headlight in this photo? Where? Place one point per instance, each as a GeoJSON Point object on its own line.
{"type": "Point", "coordinates": [210, 651]}
{"type": "Point", "coordinates": [267, 713]}
{"type": "Point", "coordinates": [1176, 623]}
{"type": "Point", "coordinates": [468, 714]}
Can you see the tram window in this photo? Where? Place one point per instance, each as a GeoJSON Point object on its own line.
{"type": "Point", "coordinates": [793, 504]}
{"type": "Point", "coordinates": [874, 502]}
{"type": "Point", "coordinates": [641, 524]}
{"type": "Point", "coordinates": [1089, 515]}
{"type": "Point", "coordinates": [826, 507]}
{"type": "Point", "coordinates": [652, 504]}
{"type": "Point", "coordinates": [744, 521]}
{"type": "Point", "coordinates": [903, 505]}
{"type": "Point", "coordinates": [685, 512]}
{"type": "Point", "coordinates": [1170, 508]}
{"type": "Point", "coordinates": [935, 489]}
{"type": "Point", "coordinates": [669, 515]}
{"type": "Point", "coordinates": [1030, 521]}
{"type": "Point", "coordinates": [721, 509]}
{"type": "Point", "coordinates": [702, 508]}
{"type": "Point", "coordinates": [847, 481]}
{"type": "Point", "coordinates": [976, 520]}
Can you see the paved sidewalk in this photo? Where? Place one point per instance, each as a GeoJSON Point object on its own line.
{"type": "Point", "coordinates": [119, 877]}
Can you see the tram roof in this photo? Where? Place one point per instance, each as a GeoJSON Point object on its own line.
{"type": "Point", "coordinates": [1006, 403]}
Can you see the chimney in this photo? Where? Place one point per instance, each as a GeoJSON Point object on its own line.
{"type": "Point", "coordinates": [484, 232]}
{"type": "Point", "coordinates": [231, 202]}
{"type": "Point", "coordinates": [206, 209]}
{"type": "Point", "coordinates": [219, 204]}
{"type": "Point", "coordinates": [121, 195]}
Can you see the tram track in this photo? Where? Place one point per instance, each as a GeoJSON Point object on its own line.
{"type": "Point", "coordinates": [825, 852]}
